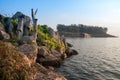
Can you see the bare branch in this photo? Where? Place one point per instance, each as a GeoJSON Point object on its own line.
{"type": "Point", "coordinates": [36, 11]}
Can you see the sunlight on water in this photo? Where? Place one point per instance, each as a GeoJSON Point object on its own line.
{"type": "Point", "coordinates": [98, 59]}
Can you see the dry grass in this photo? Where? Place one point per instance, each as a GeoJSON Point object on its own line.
{"type": "Point", "coordinates": [12, 64]}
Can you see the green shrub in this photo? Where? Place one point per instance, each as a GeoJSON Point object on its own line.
{"type": "Point", "coordinates": [15, 24]}
{"type": "Point", "coordinates": [43, 28]}
{"type": "Point", "coordinates": [45, 39]}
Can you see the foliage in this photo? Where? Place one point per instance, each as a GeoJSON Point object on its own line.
{"type": "Point", "coordinates": [81, 29]}
{"type": "Point", "coordinates": [4, 20]}
{"type": "Point", "coordinates": [43, 28]}
{"type": "Point", "coordinates": [45, 39]}
{"type": "Point", "coordinates": [14, 41]}
{"type": "Point", "coordinates": [15, 23]}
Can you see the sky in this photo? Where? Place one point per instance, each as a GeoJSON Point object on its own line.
{"type": "Point", "coordinates": [104, 13]}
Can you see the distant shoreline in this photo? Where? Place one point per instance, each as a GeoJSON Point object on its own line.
{"type": "Point", "coordinates": [84, 31]}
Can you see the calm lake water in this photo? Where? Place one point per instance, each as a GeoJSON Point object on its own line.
{"type": "Point", "coordinates": [98, 59]}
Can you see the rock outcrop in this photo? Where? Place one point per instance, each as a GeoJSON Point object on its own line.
{"type": "Point", "coordinates": [43, 73]}
{"type": "Point", "coordinates": [13, 63]}
{"type": "Point", "coordinates": [30, 50]}
{"type": "Point", "coordinates": [28, 60]}
{"type": "Point", "coordinates": [54, 34]}
{"type": "Point", "coordinates": [1, 17]}
{"type": "Point", "coordinates": [19, 15]}
{"type": "Point", "coordinates": [48, 58]}
{"type": "Point", "coordinates": [53, 57]}
{"type": "Point", "coordinates": [69, 45]}
{"type": "Point", "coordinates": [71, 52]}
{"type": "Point", "coordinates": [16, 64]}
{"type": "Point", "coordinates": [1, 27]}
{"type": "Point", "coordinates": [4, 35]}
{"type": "Point", "coordinates": [27, 40]}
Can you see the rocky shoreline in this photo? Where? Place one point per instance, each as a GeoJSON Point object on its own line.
{"type": "Point", "coordinates": [24, 57]}
{"type": "Point", "coordinates": [40, 58]}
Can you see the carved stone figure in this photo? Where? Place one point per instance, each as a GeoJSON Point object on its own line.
{"type": "Point", "coordinates": [34, 23]}
{"type": "Point", "coordinates": [20, 28]}
{"type": "Point", "coordinates": [35, 29]}
{"type": "Point", "coordinates": [27, 28]}
{"type": "Point", "coordinates": [9, 27]}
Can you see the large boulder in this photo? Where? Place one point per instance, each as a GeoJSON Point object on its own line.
{"type": "Point", "coordinates": [71, 52]}
{"type": "Point", "coordinates": [56, 53]}
{"type": "Point", "coordinates": [19, 15]}
{"type": "Point", "coordinates": [1, 17]}
{"type": "Point", "coordinates": [13, 64]}
{"type": "Point", "coordinates": [9, 27]}
{"type": "Point", "coordinates": [27, 40]}
{"type": "Point", "coordinates": [69, 44]}
{"type": "Point", "coordinates": [30, 50]}
{"type": "Point", "coordinates": [54, 34]}
{"type": "Point", "coordinates": [48, 58]}
{"type": "Point", "coordinates": [43, 73]}
{"type": "Point", "coordinates": [60, 49]}
{"type": "Point", "coordinates": [4, 35]}
{"type": "Point", "coordinates": [1, 27]}
{"type": "Point", "coordinates": [62, 55]}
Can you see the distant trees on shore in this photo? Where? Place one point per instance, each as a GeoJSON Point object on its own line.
{"type": "Point", "coordinates": [73, 28]}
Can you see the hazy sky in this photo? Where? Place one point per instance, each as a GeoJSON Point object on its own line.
{"type": "Point", "coordinates": [104, 13]}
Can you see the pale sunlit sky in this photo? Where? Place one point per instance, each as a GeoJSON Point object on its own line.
{"type": "Point", "coordinates": [104, 13]}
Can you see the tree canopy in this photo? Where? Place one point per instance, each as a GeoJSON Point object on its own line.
{"type": "Point", "coordinates": [73, 28]}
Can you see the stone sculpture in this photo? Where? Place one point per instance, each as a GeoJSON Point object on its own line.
{"type": "Point", "coordinates": [34, 23]}
{"type": "Point", "coordinates": [20, 28]}
{"type": "Point", "coordinates": [9, 27]}
{"type": "Point", "coordinates": [27, 28]}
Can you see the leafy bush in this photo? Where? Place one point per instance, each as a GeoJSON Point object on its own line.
{"type": "Point", "coordinates": [45, 39]}
{"type": "Point", "coordinates": [4, 20]}
{"type": "Point", "coordinates": [15, 22]}
{"type": "Point", "coordinates": [43, 28]}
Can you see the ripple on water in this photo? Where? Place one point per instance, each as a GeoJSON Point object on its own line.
{"type": "Point", "coordinates": [98, 59]}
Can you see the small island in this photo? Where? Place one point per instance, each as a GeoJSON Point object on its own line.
{"type": "Point", "coordinates": [30, 51]}
{"type": "Point", "coordinates": [81, 30]}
